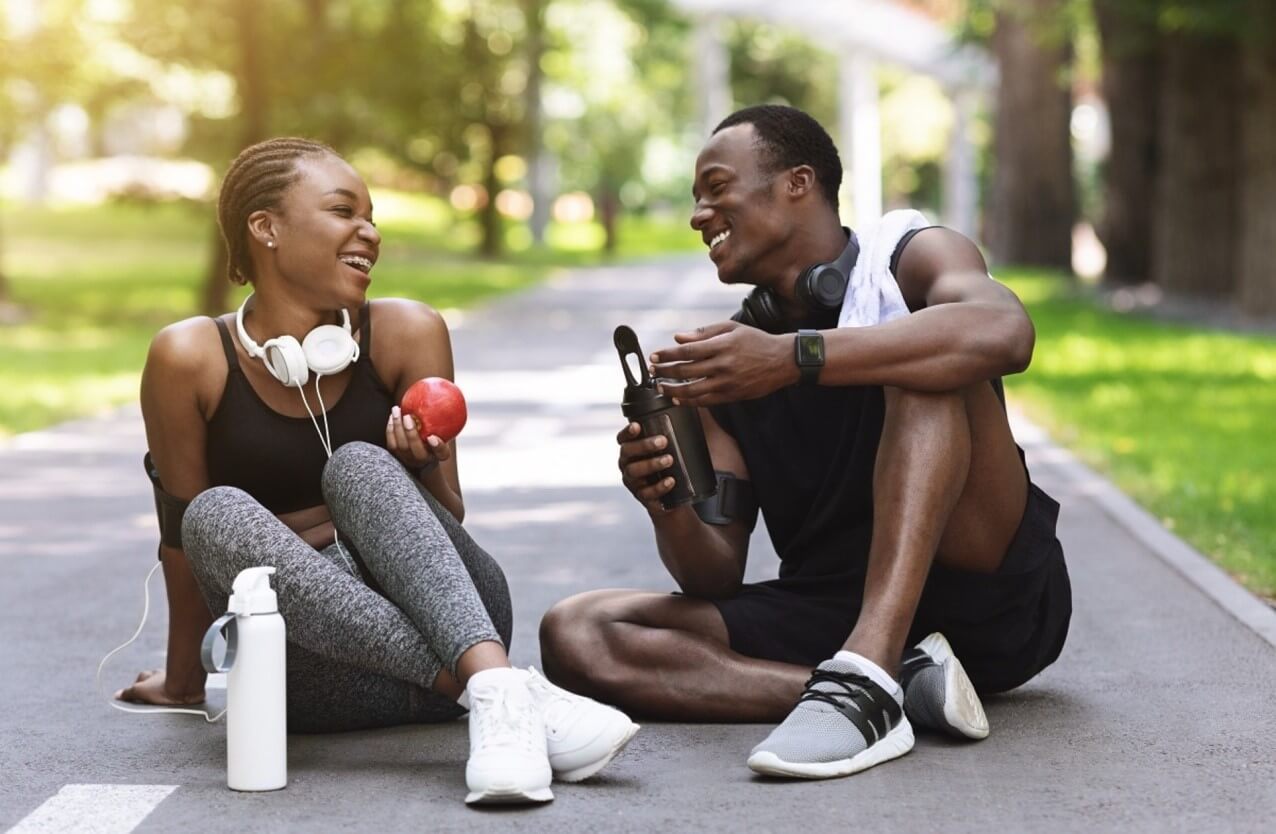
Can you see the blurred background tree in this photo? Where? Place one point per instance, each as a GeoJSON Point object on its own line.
{"type": "Point", "coordinates": [505, 138]}
{"type": "Point", "coordinates": [500, 107]}
{"type": "Point", "coordinates": [50, 58]}
{"type": "Point", "coordinates": [1034, 202]}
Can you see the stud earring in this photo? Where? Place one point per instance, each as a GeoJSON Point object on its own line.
{"type": "Point", "coordinates": [271, 244]}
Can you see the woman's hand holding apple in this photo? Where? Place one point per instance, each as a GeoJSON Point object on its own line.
{"type": "Point", "coordinates": [403, 439]}
{"type": "Point", "coordinates": [420, 428]}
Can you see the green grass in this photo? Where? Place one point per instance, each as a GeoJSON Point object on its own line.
{"type": "Point", "coordinates": [96, 283]}
{"type": "Point", "coordinates": [1180, 418]}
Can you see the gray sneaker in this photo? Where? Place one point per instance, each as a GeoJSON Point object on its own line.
{"type": "Point", "coordinates": [842, 724]}
{"type": "Point", "coordinates": [937, 693]}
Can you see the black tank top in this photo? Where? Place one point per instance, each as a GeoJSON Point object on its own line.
{"type": "Point", "coordinates": [811, 451]}
{"type": "Point", "coordinates": [278, 459]}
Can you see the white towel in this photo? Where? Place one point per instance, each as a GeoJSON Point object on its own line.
{"type": "Point", "coordinates": [873, 296]}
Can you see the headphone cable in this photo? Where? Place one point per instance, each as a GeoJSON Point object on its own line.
{"type": "Point", "coordinates": [325, 438]}
{"type": "Point", "coordinates": [97, 681]}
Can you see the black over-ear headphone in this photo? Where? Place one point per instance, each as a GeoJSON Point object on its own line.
{"type": "Point", "coordinates": [820, 288]}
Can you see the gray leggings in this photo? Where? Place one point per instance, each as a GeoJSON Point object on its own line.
{"type": "Point", "coordinates": [359, 657]}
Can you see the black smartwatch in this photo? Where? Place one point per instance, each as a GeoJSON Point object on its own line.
{"type": "Point", "coordinates": [808, 352]}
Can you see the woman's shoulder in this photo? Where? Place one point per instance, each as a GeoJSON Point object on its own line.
{"type": "Point", "coordinates": [406, 317]}
{"type": "Point", "coordinates": [185, 364]}
{"type": "Point", "coordinates": [410, 340]}
{"type": "Point", "coordinates": [185, 344]}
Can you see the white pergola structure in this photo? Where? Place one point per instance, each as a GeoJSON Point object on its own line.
{"type": "Point", "coordinates": [862, 34]}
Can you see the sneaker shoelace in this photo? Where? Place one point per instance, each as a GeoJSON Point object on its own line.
{"type": "Point", "coordinates": [865, 704]}
{"type": "Point", "coordinates": [848, 686]}
{"type": "Point", "coordinates": [555, 703]}
{"type": "Point", "coordinates": [508, 720]}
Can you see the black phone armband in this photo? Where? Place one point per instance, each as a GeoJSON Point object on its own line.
{"type": "Point", "coordinates": [734, 501]}
{"type": "Point", "coordinates": [169, 509]}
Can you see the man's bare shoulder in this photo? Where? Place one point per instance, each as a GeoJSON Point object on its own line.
{"type": "Point", "coordinates": [930, 254]}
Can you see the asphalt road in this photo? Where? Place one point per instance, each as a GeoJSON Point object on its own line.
{"type": "Point", "coordinates": [1159, 716]}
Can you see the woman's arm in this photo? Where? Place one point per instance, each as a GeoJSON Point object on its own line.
{"type": "Point", "coordinates": [179, 368]}
{"type": "Point", "coordinates": [411, 341]}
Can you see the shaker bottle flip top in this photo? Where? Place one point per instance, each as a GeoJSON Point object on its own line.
{"type": "Point", "coordinates": [656, 414]}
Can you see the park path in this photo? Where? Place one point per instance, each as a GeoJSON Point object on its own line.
{"type": "Point", "coordinates": [1159, 716]}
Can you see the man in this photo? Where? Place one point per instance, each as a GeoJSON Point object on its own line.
{"type": "Point", "coordinates": [883, 465]}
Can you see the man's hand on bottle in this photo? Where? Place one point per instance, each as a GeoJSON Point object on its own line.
{"type": "Point", "coordinates": [642, 459]}
{"type": "Point", "coordinates": [725, 362]}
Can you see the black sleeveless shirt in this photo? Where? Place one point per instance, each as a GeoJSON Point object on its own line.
{"type": "Point", "coordinates": [811, 451]}
{"type": "Point", "coordinates": [278, 459]}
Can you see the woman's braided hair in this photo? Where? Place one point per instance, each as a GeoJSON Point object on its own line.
{"type": "Point", "coordinates": [257, 180]}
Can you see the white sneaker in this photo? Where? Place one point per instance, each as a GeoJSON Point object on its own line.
{"type": "Point", "coordinates": [581, 735]}
{"type": "Point", "coordinates": [508, 762]}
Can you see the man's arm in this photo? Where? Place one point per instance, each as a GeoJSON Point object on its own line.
{"type": "Point", "coordinates": [964, 328]}
{"type": "Point", "coordinates": [706, 560]}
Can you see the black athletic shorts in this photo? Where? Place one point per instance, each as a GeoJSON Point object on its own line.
{"type": "Point", "coordinates": [1005, 626]}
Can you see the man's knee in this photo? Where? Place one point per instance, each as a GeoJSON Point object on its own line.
{"type": "Point", "coordinates": [911, 405]}
{"type": "Point", "coordinates": [574, 638]}
{"type": "Point", "coordinates": [566, 628]}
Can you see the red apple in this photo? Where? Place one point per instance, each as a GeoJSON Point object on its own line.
{"type": "Point", "coordinates": [437, 407]}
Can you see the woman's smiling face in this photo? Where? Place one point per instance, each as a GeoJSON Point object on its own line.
{"type": "Point", "coordinates": [326, 243]}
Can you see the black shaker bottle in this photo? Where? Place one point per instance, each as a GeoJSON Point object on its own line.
{"type": "Point", "coordinates": [692, 469]}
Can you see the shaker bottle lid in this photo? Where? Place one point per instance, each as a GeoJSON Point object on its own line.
{"type": "Point", "coordinates": [251, 592]}
{"type": "Point", "coordinates": [641, 391]}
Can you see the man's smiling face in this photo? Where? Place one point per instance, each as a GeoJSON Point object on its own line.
{"type": "Point", "coordinates": [737, 212]}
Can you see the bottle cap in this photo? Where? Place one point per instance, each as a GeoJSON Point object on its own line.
{"type": "Point", "coordinates": [251, 592]}
{"type": "Point", "coordinates": [641, 394]}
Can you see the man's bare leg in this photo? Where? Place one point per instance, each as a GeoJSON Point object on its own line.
{"type": "Point", "coordinates": [663, 656]}
{"type": "Point", "coordinates": [948, 486]}
{"type": "Point", "coordinates": [947, 478]}
{"type": "Point", "coordinates": [938, 452]}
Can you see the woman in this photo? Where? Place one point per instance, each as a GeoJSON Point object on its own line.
{"type": "Point", "coordinates": [394, 614]}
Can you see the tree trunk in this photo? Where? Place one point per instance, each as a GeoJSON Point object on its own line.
{"type": "Point", "coordinates": [1033, 195]}
{"type": "Point", "coordinates": [489, 217]}
{"type": "Point", "coordinates": [608, 211]}
{"type": "Point", "coordinates": [1194, 237]}
{"type": "Point", "coordinates": [1130, 85]}
{"type": "Point", "coordinates": [214, 294]}
{"type": "Point", "coordinates": [250, 84]}
{"type": "Point", "coordinates": [1257, 247]}
{"type": "Point", "coordinates": [537, 173]}
{"type": "Point", "coordinates": [4, 281]}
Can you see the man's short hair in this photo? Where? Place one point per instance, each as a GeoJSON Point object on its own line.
{"type": "Point", "coordinates": [789, 138]}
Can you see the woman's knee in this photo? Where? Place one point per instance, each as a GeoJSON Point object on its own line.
{"type": "Point", "coordinates": [213, 514]}
{"type": "Point", "coordinates": [356, 463]}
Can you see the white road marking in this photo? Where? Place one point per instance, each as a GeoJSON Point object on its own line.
{"type": "Point", "coordinates": [94, 809]}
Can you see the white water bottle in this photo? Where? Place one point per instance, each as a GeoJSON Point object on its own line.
{"type": "Point", "coordinates": [256, 695]}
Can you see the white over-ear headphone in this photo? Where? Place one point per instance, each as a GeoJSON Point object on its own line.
{"type": "Point", "coordinates": [328, 349]}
